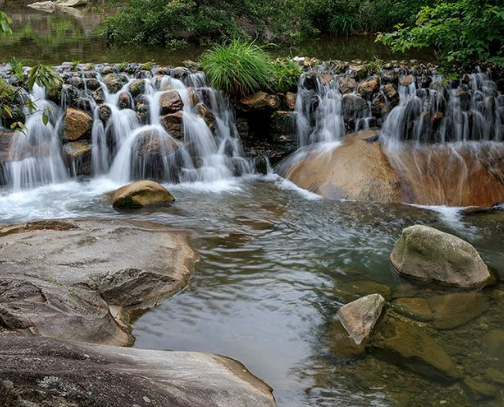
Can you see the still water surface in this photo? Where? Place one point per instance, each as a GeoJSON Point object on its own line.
{"type": "Point", "coordinates": [53, 38]}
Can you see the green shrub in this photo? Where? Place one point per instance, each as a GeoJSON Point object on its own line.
{"type": "Point", "coordinates": [286, 75]}
{"type": "Point", "coordinates": [238, 68]}
{"type": "Point", "coordinates": [463, 31]}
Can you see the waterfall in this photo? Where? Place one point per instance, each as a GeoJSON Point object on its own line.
{"type": "Point", "coordinates": [135, 132]}
{"type": "Point", "coordinates": [35, 156]}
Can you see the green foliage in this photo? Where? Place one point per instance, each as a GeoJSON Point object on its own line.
{"type": "Point", "coordinates": [16, 68]}
{"type": "Point", "coordinates": [5, 22]}
{"type": "Point", "coordinates": [238, 68]}
{"type": "Point", "coordinates": [286, 75]}
{"type": "Point", "coordinates": [463, 31]}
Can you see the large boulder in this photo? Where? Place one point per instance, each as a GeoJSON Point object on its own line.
{"type": "Point", "coordinates": [170, 102]}
{"type": "Point", "coordinates": [80, 279]}
{"type": "Point", "coordinates": [356, 170]}
{"type": "Point", "coordinates": [360, 316]}
{"type": "Point", "coordinates": [427, 254]}
{"type": "Point", "coordinates": [49, 372]}
{"type": "Point", "coordinates": [456, 309]}
{"type": "Point", "coordinates": [141, 194]}
{"type": "Point", "coordinates": [78, 125]}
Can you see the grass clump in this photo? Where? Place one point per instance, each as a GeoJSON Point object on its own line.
{"type": "Point", "coordinates": [237, 68]}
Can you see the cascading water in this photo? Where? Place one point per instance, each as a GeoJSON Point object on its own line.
{"type": "Point", "coordinates": [443, 140]}
{"type": "Point", "coordinates": [195, 141]}
{"type": "Point", "coordinates": [35, 157]}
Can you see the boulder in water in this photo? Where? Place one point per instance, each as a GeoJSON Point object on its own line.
{"type": "Point", "coordinates": [360, 316]}
{"type": "Point", "coordinates": [427, 254]}
{"type": "Point", "coordinates": [368, 87]}
{"type": "Point", "coordinates": [203, 111]}
{"type": "Point", "coordinates": [456, 309]}
{"type": "Point", "coordinates": [152, 143]}
{"type": "Point", "coordinates": [114, 82]}
{"type": "Point", "coordinates": [170, 102]}
{"type": "Point", "coordinates": [63, 373]}
{"type": "Point", "coordinates": [137, 87]}
{"type": "Point", "coordinates": [77, 124]}
{"type": "Point", "coordinates": [357, 170]}
{"type": "Point", "coordinates": [141, 194]}
{"type": "Point", "coordinates": [353, 106]}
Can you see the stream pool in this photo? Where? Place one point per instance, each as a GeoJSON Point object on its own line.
{"type": "Point", "coordinates": [276, 262]}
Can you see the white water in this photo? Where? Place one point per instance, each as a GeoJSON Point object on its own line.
{"type": "Point", "coordinates": [125, 149]}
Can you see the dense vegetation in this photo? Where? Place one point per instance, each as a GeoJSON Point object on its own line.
{"type": "Point", "coordinates": [462, 31]}
{"type": "Point", "coordinates": [179, 21]}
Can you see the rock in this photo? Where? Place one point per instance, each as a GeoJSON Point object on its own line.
{"type": "Point", "coordinates": [170, 102]}
{"type": "Point", "coordinates": [141, 194]}
{"type": "Point", "coordinates": [379, 104]}
{"type": "Point", "coordinates": [113, 82]}
{"type": "Point", "coordinates": [494, 343]}
{"type": "Point", "coordinates": [202, 110]}
{"type": "Point", "coordinates": [411, 347]}
{"type": "Point", "coordinates": [346, 84]}
{"type": "Point", "coordinates": [368, 87]}
{"type": "Point", "coordinates": [414, 308]}
{"type": "Point", "coordinates": [342, 345]}
{"type": "Point", "coordinates": [93, 84]}
{"type": "Point", "coordinates": [104, 113]}
{"type": "Point", "coordinates": [477, 390]}
{"type": "Point", "coordinates": [495, 376]}
{"type": "Point", "coordinates": [356, 170]}
{"type": "Point", "coordinates": [137, 87]}
{"type": "Point", "coordinates": [68, 374]}
{"type": "Point", "coordinates": [456, 309]}
{"type": "Point", "coordinates": [124, 101]}
{"type": "Point", "coordinates": [427, 254]}
{"type": "Point", "coordinates": [77, 124]}
{"type": "Point", "coordinates": [79, 279]}
{"type": "Point", "coordinates": [173, 124]}
{"type": "Point", "coordinates": [360, 316]}
{"type": "Point", "coordinates": [259, 101]}
{"type": "Point", "coordinates": [359, 70]}
{"type": "Point", "coordinates": [290, 100]}
{"type": "Point", "coordinates": [47, 6]}
{"type": "Point", "coordinates": [98, 95]}
{"type": "Point", "coordinates": [391, 93]}
{"type": "Point", "coordinates": [353, 107]}
{"type": "Point", "coordinates": [406, 80]}
{"type": "Point", "coordinates": [77, 155]}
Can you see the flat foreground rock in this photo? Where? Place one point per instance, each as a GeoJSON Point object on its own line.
{"type": "Point", "coordinates": [78, 279]}
{"type": "Point", "coordinates": [45, 371]}
{"type": "Point", "coordinates": [427, 254]}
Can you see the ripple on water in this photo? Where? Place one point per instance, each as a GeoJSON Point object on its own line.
{"type": "Point", "coordinates": [276, 263]}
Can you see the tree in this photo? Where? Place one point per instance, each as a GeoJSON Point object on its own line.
{"type": "Point", "coordinates": [461, 31]}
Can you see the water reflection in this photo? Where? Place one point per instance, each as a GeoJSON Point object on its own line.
{"type": "Point", "coordinates": [75, 34]}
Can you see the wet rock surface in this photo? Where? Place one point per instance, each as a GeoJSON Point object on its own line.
{"type": "Point", "coordinates": [79, 279]}
{"type": "Point", "coordinates": [48, 372]}
{"type": "Point", "coordinates": [427, 254]}
{"type": "Point", "coordinates": [360, 316]}
{"type": "Point", "coordinates": [141, 194]}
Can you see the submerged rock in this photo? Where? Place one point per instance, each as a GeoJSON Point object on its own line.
{"type": "Point", "coordinates": [457, 309]}
{"type": "Point", "coordinates": [140, 194]}
{"type": "Point", "coordinates": [427, 254]}
{"type": "Point", "coordinates": [411, 347]}
{"type": "Point", "coordinates": [53, 372]}
{"type": "Point", "coordinates": [77, 124]}
{"type": "Point", "coordinates": [77, 279]}
{"type": "Point", "coordinates": [415, 308]}
{"type": "Point", "coordinates": [360, 316]}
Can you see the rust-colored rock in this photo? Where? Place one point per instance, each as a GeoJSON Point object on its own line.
{"type": "Point", "coordinates": [355, 170]}
{"type": "Point", "coordinates": [260, 101]}
{"type": "Point", "coordinates": [77, 124]}
{"type": "Point", "coordinates": [170, 102]}
{"type": "Point", "coordinates": [173, 124]}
